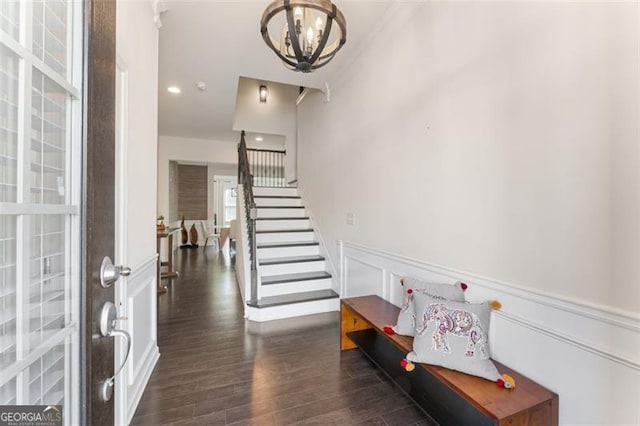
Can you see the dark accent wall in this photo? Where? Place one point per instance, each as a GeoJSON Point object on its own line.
{"type": "Point", "coordinates": [192, 192]}
{"type": "Point", "coordinates": [173, 193]}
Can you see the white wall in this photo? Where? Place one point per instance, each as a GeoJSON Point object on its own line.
{"type": "Point", "coordinates": [137, 51]}
{"type": "Point", "coordinates": [277, 116]}
{"type": "Point", "coordinates": [220, 157]}
{"type": "Point", "coordinates": [499, 139]}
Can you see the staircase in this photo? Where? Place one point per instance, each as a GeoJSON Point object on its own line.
{"type": "Point", "coordinates": [292, 277]}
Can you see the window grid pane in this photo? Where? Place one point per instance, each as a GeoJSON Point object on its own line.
{"type": "Point", "coordinates": [48, 137]}
{"type": "Point", "coordinates": [8, 393]}
{"type": "Point", "coordinates": [46, 384]}
{"type": "Point", "coordinates": [50, 33]}
{"type": "Point", "coordinates": [47, 283]}
{"type": "Point", "coordinates": [7, 291]}
{"type": "Point", "coordinates": [8, 125]}
{"type": "Point", "coordinates": [10, 18]}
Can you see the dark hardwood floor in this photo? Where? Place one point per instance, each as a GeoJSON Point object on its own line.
{"type": "Point", "coordinates": [216, 368]}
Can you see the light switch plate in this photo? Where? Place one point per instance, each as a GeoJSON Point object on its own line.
{"type": "Point", "coordinates": [351, 218]}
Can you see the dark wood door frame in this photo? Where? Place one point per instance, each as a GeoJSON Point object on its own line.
{"type": "Point", "coordinates": [99, 70]}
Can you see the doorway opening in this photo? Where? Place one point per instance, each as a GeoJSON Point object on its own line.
{"type": "Point", "coordinates": [225, 197]}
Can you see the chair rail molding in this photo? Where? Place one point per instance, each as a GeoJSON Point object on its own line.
{"type": "Point", "coordinates": [535, 332]}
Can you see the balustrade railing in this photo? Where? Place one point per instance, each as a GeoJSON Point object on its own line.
{"type": "Point", "coordinates": [246, 178]}
{"type": "Point", "coordinates": [267, 167]}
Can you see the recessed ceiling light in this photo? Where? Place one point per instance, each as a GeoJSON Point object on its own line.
{"type": "Point", "coordinates": [259, 139]}
{"type": "Point", "coordinates": [174, 89]}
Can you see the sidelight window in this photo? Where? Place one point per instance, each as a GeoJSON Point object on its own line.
{"type": "Point", "coordinates": [40, 165]}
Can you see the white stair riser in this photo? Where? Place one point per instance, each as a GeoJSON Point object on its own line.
{"type": "Point", "coordinates": [281, 237]}
{"type": "Point", "coordinates": [269, 182]}
{"type": "Point", "coordinates": [293, 310]}
{"type": "Point", "coordinates": [278, 202]}
{"type": "Point", "coordinates": [295, 287]}
{"type": "Point", "coordinates": [269, 253]}
{"type": "Point", "coordinates": [267, 212]}
{"type": "Point", "coordinates": [289, 192]}
{"type": "Point", "coordinates": [265, 225]}
{"type": "Point", "coordinates": [291, 268]}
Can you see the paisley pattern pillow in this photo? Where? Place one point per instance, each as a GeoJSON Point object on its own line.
{"type": "Point", "coordinates": [406, 318]}
{"type": "Point", "coordinates": [453, 335]}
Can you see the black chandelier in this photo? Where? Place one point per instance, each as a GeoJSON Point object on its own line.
{"type": "Point", "coordinates": [310, 32]}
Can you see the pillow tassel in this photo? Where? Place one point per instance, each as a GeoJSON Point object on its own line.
{"type": "Point", "coordinates": [407, 365]}
{"type": "Point", "coordinates": [506, 381]}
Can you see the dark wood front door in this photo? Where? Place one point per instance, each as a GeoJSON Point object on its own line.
{"type": "Point", "coordinates": [98, 199]}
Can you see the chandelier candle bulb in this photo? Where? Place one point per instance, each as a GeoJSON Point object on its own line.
{"type": "Point", "coordinates": [309, 40]}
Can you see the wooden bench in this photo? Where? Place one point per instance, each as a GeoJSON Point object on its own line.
{"type": "Point", "coordinates": [448, 396]}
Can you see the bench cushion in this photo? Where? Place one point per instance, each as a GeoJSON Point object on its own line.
{"type": "Point", "coordinates": [453, 335]}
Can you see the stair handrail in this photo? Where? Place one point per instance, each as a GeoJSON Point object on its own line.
{"type": "Point", "coordinates": [246, 179]}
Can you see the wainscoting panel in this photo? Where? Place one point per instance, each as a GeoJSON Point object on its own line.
{"type": "Point", "coordinates": [396, 293]}
{"type": "Point", "coordinates": [141, 324]}
{"type": "Point", "coordinates": [363, 278]}
{"type": "Point", "coordinates": [589, 355]}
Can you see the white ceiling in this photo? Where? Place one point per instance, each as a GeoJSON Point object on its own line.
{"type": "Point", "coordinates": [217, 42]}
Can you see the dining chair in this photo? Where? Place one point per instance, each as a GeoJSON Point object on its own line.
{"type": "Point", "coordinates": [210, 233]}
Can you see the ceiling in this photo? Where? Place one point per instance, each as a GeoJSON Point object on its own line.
{"type": "Point", "coordinates": [219, 41]}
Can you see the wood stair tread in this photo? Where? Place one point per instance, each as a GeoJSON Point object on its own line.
{"type": "Point", "coordinates": [292, 259]}
{"type": "Point", "coordinates": [279, 207]}
{"type": "Point", "coordinates": [278, 196]}
{"type": "Point", "coordinates": [292, 298]}
{"type": "Point", "coordinates": [283, 218]}
{"type": "Point", "coordinates": [288, 244]}
{"type": "Point", "coordinates": [290, 278]}
{"type": "Point", "coordinates": [282, 231]}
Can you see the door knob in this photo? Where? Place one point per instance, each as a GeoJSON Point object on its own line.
{"type": "Point", "coordinates": [110, 273]}
{"type": "Point", "coordinates": [108, 319]}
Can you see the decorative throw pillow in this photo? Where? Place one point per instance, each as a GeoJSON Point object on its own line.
{"type": "Point", "coordinates": [453, 335]}
{"type": "Point", "coordinates": [406, 318]}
